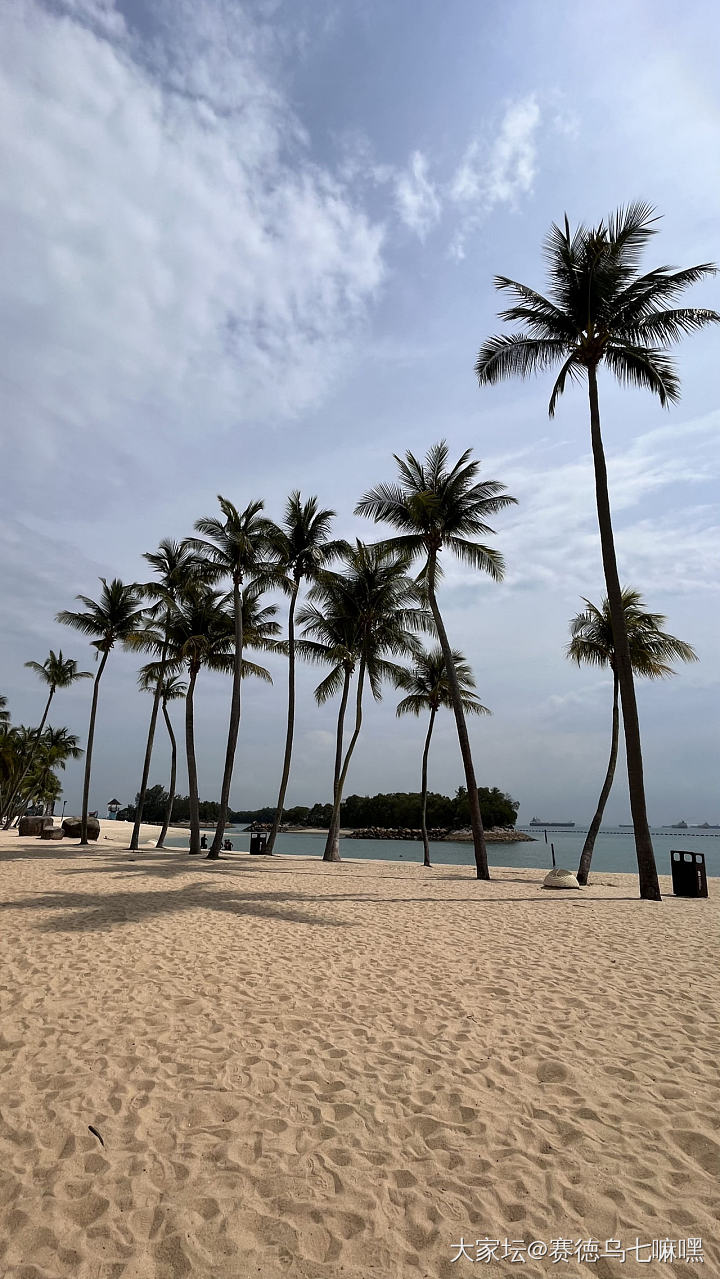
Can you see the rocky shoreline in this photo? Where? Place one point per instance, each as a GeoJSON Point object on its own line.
{"type": "Point", "coordinates": [495, 835]}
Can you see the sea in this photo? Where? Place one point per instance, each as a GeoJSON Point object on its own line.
{"type": "Point", "coordinates": [614, 848]}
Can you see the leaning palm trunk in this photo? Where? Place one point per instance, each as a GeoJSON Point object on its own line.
{"type": "Point", "coordinates": [332, 844]}
{"type": "Point", "coordinates": [8, 811]}
{"type": "Point", "coordinates": [88, 755]}
{"type": "Point", "coordinates": [647, 870]}
{"type": "Point", "coordinates": [333, 840]}
{"type": "Point", "coordinates": [135, 837]}
{"type": "Point", "coordinates": [290, 722]}
{"type": "Point", "coordinates": [424, 789]}
{"type": "Point", "coordinates": [173, 773]}
{"type": "Point", "coordinates": [481, 861]}
{"type": "Point", "coordinates": [588, 846]}
{"type": "Point", "coordinates": [192, 766]}
{"type": "Point", "coordinates": [233, 726]}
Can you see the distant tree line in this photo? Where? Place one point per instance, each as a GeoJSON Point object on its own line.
{"type": "Point", "coordinates": [395, 811]}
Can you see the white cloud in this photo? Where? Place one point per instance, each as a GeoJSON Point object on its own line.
{"type": "Point", "coordinates": [496, 173]}
{"type": "Point", "coordinates": [416, 198]}
{"type": "Point", "coordinates": [174, 261]}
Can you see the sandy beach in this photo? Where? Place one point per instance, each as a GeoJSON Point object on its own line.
{"type": "Point", "coordinates": [316, 1070]}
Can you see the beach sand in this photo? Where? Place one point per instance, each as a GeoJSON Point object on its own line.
{"type": "Point", "coordinates": [340, 1070]}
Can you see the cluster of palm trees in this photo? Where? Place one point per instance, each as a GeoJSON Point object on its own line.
{"type": "Point", "coordinates": [30, 758]}
{"type": "Point", "coordinates": [364, 610]}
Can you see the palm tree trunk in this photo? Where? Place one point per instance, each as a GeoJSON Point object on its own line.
{"type": "Point", "coordinates": [135, 837]}
{"type": "Point", "coordinates": [332, 845]}
{"type": "Point", "coordinates": [173, 773]}
{"type": "Point", "coordinates": [588, 846]}
{"type": "Point", "coordinates": [88, 753]}
{"type": "Point", "coordinates": [481, 862]}
{"type": "Point", "coordinates": [233, 726]}
{"type": "Point", "coordinates": [8, 810]}
{"type": "Point", "coordinates": [424, 789]}
{"type": "Point", "coordinates": [290, 721]}
{"type": "Point", "coordinates": [334, 832]}
{"type": "Point", "coordinates": [647, 870]}
{"type": "Point", "coordinates": [192, 765]}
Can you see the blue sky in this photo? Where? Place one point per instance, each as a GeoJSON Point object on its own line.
{"type": "Point", "coordinates": [250, 247]}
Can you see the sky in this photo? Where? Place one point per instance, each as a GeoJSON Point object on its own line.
{"type": "Point", "coordinates": [250, 247]}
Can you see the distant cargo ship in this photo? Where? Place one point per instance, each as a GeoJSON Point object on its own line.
{"type": "Point", "coordinates": [536, 821]}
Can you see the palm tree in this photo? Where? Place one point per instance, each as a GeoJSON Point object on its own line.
{"type": "Point", "coordinates": [649, 647]}
{"type": "Point", "coordinates": [55, 672]}
{"type": "Point", "coordinates": [436, 508]}
{"type": "Point", "coordinates": [114, 618]}
{"type": "Point", "coordinates": [602, 311]}
{"type": "Point", "coordinates": [201, 633]}
{"type": "Point", "coordinates": [427, 688]}
{"type": "Point", "coordinates": [236, 548]}
{"type": "Point", "coordinates": [175, 564]}
{"type": "Point", "coordinates": [57, 746]}
{"type": "Point", "coordinates": [172, 688]}
{"type": "Point", "coordinates": [302, 548]}
{"type": "Point", "coordinates": [367, 617]}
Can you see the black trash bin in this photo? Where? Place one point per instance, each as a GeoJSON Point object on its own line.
{"type": "Point", "coordinates": [258, 843]}
{"type": "Point", "coordinates": [689, 876]}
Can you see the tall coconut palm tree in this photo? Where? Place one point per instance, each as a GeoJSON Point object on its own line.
{"type": "Point", "coordinates": [176, 565]}
{"type": "Point", "coordinates": [114, 618]}
{"type": "Point", "coordinates": [364, 618]}
{"type": "Point", "coordinates": [172, 688]}
{"type": "Point", "coordinates": [440, 507]}
{"type": "Point", "coordinates": [55, 672]}
{"type": "Point", "coordinates": [236, 547]}
{"type": "Point", "coordinates": [201, 634]}
{"type": "Point", "coordinates": [427, 688]}
{"type": "Point", "coordinates": [650, 649]}
{"type": "Point", "coordinates": [302, 548]}
{"type": "Point", "coordinates": [601, 310]}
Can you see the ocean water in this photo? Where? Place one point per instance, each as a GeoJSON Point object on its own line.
{"type": "Point", "coordinates": [614, 848]}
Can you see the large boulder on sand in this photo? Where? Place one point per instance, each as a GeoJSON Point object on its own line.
{"type": "Point", "coordinates": [52, 832]}
{"type": "Point", "coordinates": [71, 827]}
{"type": "Point", "coordinates": [559, 878]}
{"type": "Point", "coordinates": [33, 825]}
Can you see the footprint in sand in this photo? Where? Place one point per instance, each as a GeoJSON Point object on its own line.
{"type": "Point", "coordinates": [551, 1072]}
{"type": "Point", "coordinates": [701, 1148]}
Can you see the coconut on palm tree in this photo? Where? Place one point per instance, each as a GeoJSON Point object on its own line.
{"type": "Point", "coordinates": [236, 547]}
{"type": "Point", "coordinates": [438, 507]}
{"type": "Point", "coordinates": [364, 618]}
{"type": "Point", "coordinates": [602, 311]}
{"type": "Point", "coordinates": [176, 565]}
{"type": "Point", "coordinates": [114, 618]}
{"type": "Point", "coordinates": [302, 548]}
{"type": "Point", "coordinates": [650, 649]}
{"type": "Point", "coordinates": [427, 688]}
{"type": "Point", "coordinates": [55, 672]}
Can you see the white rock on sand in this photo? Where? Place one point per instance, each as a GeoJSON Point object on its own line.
{"type": "Point", "coordinates": [315, 1070]}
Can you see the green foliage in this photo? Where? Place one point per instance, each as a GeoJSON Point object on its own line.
{"type": "Point", "coordinates": [397, 810]}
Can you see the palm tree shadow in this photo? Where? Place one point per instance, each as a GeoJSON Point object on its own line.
{"type": "Point", "coordinates": [88, 912]}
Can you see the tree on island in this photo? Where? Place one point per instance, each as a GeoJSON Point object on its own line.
{"type": "Point", "coordinates": [116, 617]}
{"type": "Point", "coordinates": [439, 507]}
{"type": "Point", "coordinates": [602, 311]}
{"type": "Point", "coordinates": [649, 647]}
{"type": "Point", "coordinates": [427, 688]}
